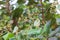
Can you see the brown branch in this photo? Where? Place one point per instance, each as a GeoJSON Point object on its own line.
{"type": "Point", "coordinates": [15, 21]}
{"type": "Point", "coordinates": [8, 7]}
{"type": "Point", "coordinates": [43, 18]}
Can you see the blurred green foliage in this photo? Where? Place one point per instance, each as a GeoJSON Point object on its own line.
{"type": "Point", "coordinates": [24, 17]}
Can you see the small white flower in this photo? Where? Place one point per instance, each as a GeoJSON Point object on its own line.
{"type": "Point", "coordinates": [14, 7]}
{"type": "Point", "coordinates": [37, 22]}
{"type": "Point", "coordinates": [26, 2]}
{"type": "Point", "coordinates": [43, 0]}
{"type": "Point", "coordinates": [13, 2]}
{"type": "Point", "coordinates": [15, 29]}
{"type": "Point", "coordinates": [57, 9]}
{"type": "Point", "coordinates": [0, 7]}
{"type": "Point", "coordinates": [51, 1]}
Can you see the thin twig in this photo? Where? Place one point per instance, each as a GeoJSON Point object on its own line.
{"type": "Point", "coordinates": [8, 7]}
{"type": "Point", "coordinates": [43, 21]}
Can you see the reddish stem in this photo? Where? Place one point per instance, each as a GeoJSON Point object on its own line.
{"type": "Point", "coordinates": [43, 21]}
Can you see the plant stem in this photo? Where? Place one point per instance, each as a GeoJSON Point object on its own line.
{"type": "Point", "coordinates": [8, 7]}
{"type": "Point", "coordinates": [43, 21]}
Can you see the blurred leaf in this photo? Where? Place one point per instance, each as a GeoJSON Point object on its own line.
{"type": "Point", "coordinates": [46, 29]}
{"type": "Point", "coordinates": [12, 38]}
{"type": "Point", "coordinates": [1, 2]}
{"type": "Point", "coordinates": [8, 36]}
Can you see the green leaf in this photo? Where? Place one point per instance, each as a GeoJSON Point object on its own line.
{"type": "Point", "coordinates": [8, 36]}
{"type": "Point", "coordinates": [46, 29]}
{"type": "Point", "coordinates": [20, 1]}
{"type": "Point", "coordinates": [57, 16]}
{"type": "Point", "coordinates": [12, 38]}
{"type": "Point", "coordinates": [0, 12]}
{"type": "Point", "coordinates": [1, 2]}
